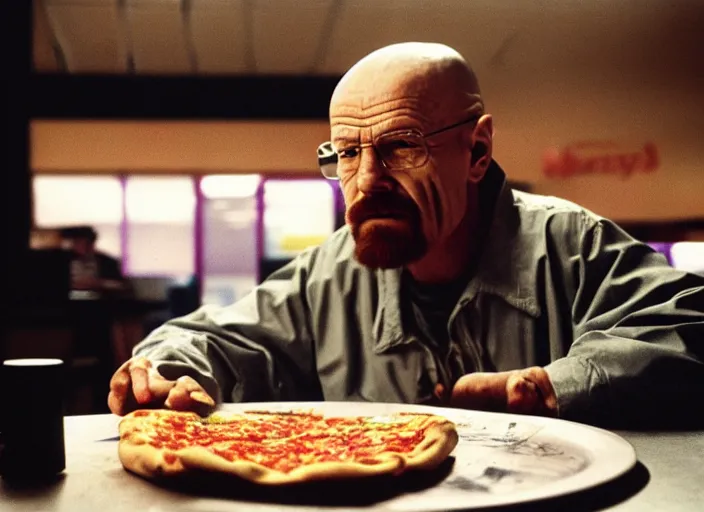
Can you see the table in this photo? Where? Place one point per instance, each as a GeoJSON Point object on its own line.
{"type": "Point", "coordinates": [669, 476]}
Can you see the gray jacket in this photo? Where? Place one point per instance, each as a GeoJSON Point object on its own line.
{"type": "Point", "coordinates": [620, 333]}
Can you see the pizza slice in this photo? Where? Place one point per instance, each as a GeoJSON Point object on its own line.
{"type": "Point", "coordinates": [274, 448]}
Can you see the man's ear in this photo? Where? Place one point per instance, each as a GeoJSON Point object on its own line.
{"type": "Point", "coordinates": [482, 145]}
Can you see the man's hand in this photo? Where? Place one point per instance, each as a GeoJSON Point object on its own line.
{"type": "Point", "coordinates": [138, 385]}
{"type": "Point", "coordinates": [527, 391]}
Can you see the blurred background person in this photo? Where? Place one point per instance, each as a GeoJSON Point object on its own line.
{"type": "Point", "coordinates": [91, 269]}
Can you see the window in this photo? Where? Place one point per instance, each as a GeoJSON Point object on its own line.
{"type": "Point", "coordinates": [150, 222]}
{"type": "Point", "coordinates": [297, 214]}
{"type": "Point", "coordinates": [160, 226]}
{"type": "Point", "coordinates": [688, 256]}
{"type": "Point", "coordinates": [61, 201]}
{"type": "Point", "coordinates": [229, 237]}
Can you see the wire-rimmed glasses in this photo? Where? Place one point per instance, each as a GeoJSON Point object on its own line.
{"type": "Point", "coordinates": [397, 150]}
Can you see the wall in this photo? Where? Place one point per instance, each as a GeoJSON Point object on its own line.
{"type": "Point", "coordinates": [152, 146]}
{"type": "Point", "coordinates": [532, 113]}
{"type": "Point", "coordinates": [552, 73]}
{"type": "Point", "coordinates": [539, 112]}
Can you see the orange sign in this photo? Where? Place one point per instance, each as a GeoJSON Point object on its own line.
{"type": "Point", "coordinates": [594, 157]}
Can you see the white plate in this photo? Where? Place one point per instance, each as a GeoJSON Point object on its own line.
{"type": "Point", "coordinates": [501, 459]}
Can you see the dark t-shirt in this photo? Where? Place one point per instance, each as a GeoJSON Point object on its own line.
{"type": "Point", "coordinates": [430, 307]}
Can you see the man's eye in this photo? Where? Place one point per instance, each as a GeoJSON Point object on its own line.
{"type": "Point", "coordinates": [348, 153]}
{"type": "Point", "coordinates": [401, 144]}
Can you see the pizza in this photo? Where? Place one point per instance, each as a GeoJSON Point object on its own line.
{"type": "Point", "coordinates": [277, 448]}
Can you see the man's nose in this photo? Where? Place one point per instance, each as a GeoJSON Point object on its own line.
{"type": "Point", "coordinates": [372, 176]}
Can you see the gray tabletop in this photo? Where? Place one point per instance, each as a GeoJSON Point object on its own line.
{"type": "Point", "coordinates": [669, 476]}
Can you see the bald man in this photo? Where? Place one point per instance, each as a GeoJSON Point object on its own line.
{"type": "Point", "coordinates": [445, 286]}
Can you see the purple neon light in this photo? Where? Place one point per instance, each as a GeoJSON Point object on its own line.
{"type": "Point", "coordinates": [124, 230]}
{"type": "Point", "coordinates": [198, 235]}
{"type": "Point", "coordinates": [259, 227]}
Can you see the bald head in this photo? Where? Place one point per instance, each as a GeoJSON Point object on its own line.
{"type": "Point", "coordinates": [420, 104]}
{"type": "Point", "coordinates": [433, 76]}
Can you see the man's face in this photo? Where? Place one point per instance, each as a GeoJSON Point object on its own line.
{"type": "Point", "coordinates": [397, 215]}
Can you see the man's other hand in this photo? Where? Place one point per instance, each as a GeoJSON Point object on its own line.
{"type": "Point", "coordinates": [527, 391]}
{"type": "Point", "coordinates": [138, 385]}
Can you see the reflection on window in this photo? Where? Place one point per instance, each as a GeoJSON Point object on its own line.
{"type": "Point", "coordinates": [688, 256]}
{"type": "Point", "coordinates": [160, 225]}
{"type": "Point", "coordinates": [297, 214]}
{"type": "Point", "coordinates": [81, 200]}
{"type": "Point", "coordinates": [229, 237]}
{"type": "Point", "coordinates": [230, 186]}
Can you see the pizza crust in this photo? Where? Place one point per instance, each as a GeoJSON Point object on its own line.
{"type": "Point", "coordinates": [149, 462]}
{"type": "Point", "coordinates": [440, 439]}
{"type": "Point", "coordinates": [138, 456]}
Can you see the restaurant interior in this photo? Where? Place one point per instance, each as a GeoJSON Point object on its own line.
{"type": "Point", "coordinates": [181, 137]}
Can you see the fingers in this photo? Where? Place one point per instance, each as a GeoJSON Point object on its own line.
{"type": "Point", "coordinates": [148, 386]}
{"type": "Point", "coordinates": [159, 386]}
{"type": "Point", "coordinates": [481, 391]}
{"type": "Point", "coordinates": [441, 393]}
{"type": "Point", "coordinates": [530, 391]}
{"type": "Point", "coordinates": [188, 395]}
{"type": "Point", "coordinates": [522, 395]}
{"type": "Point", "coordinates": [440, 397]}
{"type": "Point", "coordinates": [179, 397]}
{"type": "Point", "coordinates": [116, 404]}
{"type": "Point", "coordinates": [119, 389]}
{"type": "Point", "coordinates": [139, 375]}
{"type": "Point", "coordinates": [137, 384]}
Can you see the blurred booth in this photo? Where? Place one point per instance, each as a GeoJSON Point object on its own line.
{"type": "Point", "coordinates": [92, 330]}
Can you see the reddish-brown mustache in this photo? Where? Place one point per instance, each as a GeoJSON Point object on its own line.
{"type": "Point", "coordinates": [382, 206]}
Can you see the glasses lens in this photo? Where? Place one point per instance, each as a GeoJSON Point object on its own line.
{"type": "Point", "coordinates": [402, 151]}
{"type": "Point", "coordinates": [327, 160]}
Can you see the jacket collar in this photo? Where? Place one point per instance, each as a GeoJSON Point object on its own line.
{"type": "Point", "coordinates": [506, 268]}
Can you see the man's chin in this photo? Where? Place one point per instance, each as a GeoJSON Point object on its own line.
{"type": "Point", "coordinates": [388, 244]}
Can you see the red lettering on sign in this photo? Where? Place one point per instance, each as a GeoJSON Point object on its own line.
{"type": "Point", "coordinates": [599, 157]}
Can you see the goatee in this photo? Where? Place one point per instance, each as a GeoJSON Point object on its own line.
{"type": "Point", "coordinates": [387, 231]}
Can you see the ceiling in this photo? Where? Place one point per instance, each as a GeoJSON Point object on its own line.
{"type": "Point", "coordinates": [552, 72]}
{"type": "Point", "coordinates": [325, 37]}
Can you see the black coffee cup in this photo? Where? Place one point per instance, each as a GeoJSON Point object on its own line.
{"type": "Point", "coordinates": [32, 421]}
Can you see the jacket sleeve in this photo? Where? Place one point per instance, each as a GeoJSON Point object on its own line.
{"type": "Point", "coordinates": [258, 349]}
{"type": "Point", "coordinates": [638, 324]}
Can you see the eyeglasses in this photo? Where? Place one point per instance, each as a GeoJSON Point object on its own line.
{"type": "Point", "coordinates": [400, 150]}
